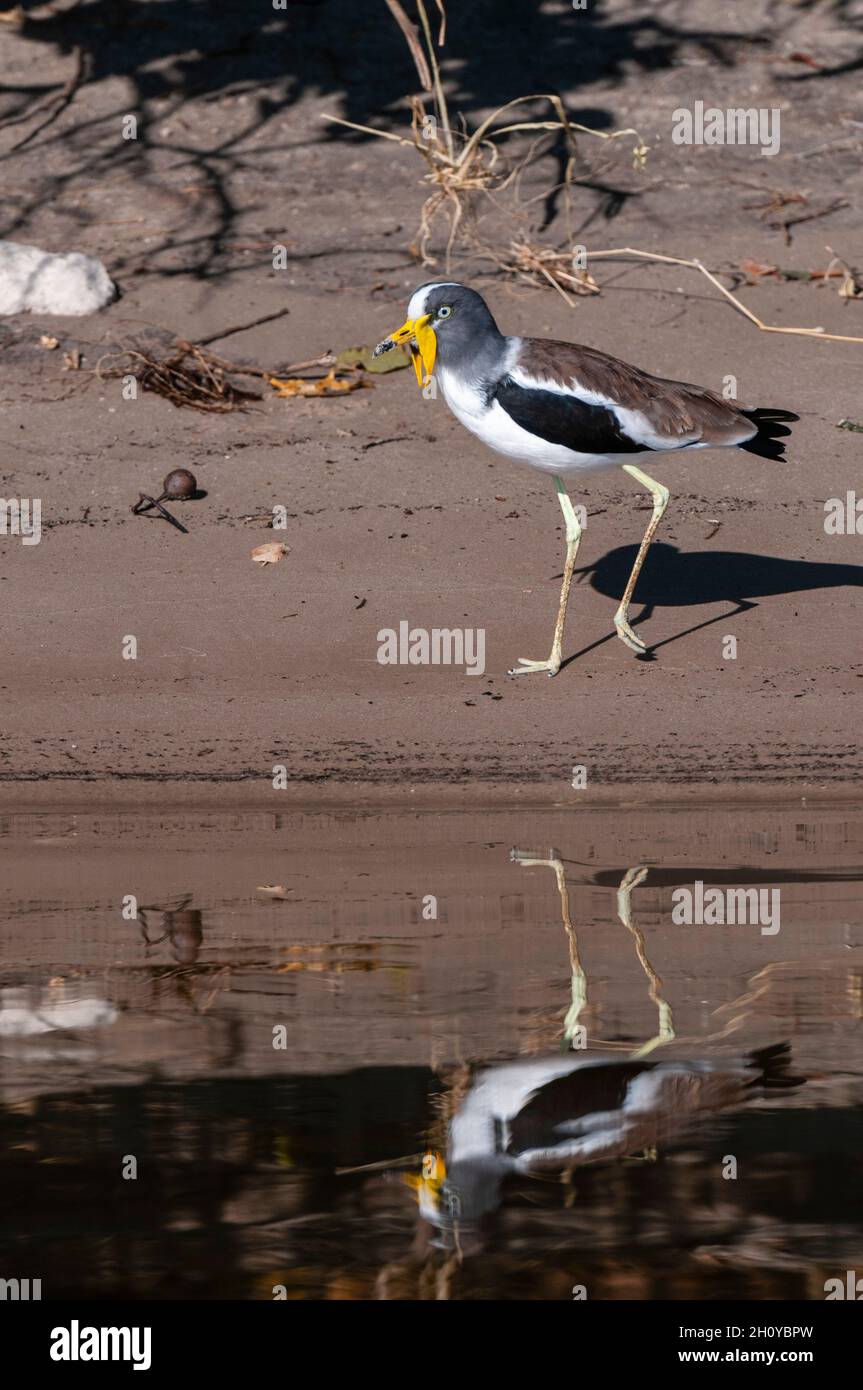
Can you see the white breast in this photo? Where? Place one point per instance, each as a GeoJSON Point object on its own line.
{"type": "Point", "coordinates": [499, 431]}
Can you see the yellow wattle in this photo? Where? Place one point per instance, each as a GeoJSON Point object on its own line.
{"type": "Point", "coordinates": [427, 344]}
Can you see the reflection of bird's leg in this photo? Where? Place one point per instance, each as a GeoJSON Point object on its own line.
{"type": "Point", "coordinates": [631, 879]}
{"type": "Point", "coordinates": [167, 914]}
{"type": "Point", "coordinates": [579, 980]}
{"type": "Point", "coordinates": [660, 502]}
{"type": "Point", "coordinates": [573, 536]}
{"type": "Point", "coordinates": [144, 928]}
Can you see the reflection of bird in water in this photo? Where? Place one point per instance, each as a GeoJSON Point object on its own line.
{"type": "Point", "coordinates": [182, 926]}
{"type": "Point", "coordinates": [22, 1015]}
{"type": "Point", "coordinates": [574, 1034]}
{"type": "Point", "coordinates": [551, 1114]}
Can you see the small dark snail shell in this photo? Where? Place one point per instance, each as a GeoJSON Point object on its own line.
{"type": "Point", "coordinates": [179, 485]}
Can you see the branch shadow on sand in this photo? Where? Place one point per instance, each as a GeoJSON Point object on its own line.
{"type": "Point", "coordinates": [169, 64]}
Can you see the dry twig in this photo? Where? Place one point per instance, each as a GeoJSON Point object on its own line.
{"type": "Point", "coordinates": [190, 375]}
{"type": "Point", "coordinates": [697, 265]}
{"type": "Point", "coordinates": [537, 265]}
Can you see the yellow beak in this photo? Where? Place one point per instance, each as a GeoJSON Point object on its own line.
{"type": "Point", "coordinates": [422, 342]}
{"type": "Point", "coordinates": [432, 1178]}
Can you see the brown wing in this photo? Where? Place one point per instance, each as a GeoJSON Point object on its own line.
{"type": "Point", "coordinates": [676, 411]}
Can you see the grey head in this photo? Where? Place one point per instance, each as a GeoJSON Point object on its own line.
{"type": "Point", "coordinates": [469, 1196]}
{"type": "Point", "coordinates": [468, 339]}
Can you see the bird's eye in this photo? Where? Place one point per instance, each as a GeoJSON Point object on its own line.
{"type": "Point", "coordinates": [444, 311]}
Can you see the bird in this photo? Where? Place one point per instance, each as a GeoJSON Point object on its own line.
{"type": "Point", "coordinates": [545, 1115]}
{"type": "Point", "coordinates": [567, 410]}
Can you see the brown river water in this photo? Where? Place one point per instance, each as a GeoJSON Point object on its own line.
{"type": "Point", "coordinates": [241, 1054]}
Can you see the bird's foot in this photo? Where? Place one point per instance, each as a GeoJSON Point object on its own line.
{"type": "Point", "coordinates": [627, 636]}
{"type": "Point", "coordinates": [526, 666]}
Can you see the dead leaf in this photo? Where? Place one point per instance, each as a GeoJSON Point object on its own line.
{"type": "Point", "coordinates": [827, 274]}
{"type": "Point", "coordinates": [270, 553]}
{"type": "Point", "coordinates": [72, 361]}
{"type": "Point", "coordinates": [391, 361]}
{"type": "Point", "coordinates": [583, 281]}
{"type": "Point", "coordinates": [275, 890]}
{"type": "Point", "coordinates": [330, 385]}
{"type": "Point", "coordinates": [852, 279]}
{"type": "Point", "coordinates": [852, 286]}
{"type": "Point", "coordinates": [48, 342]}
{"type": "Point", "coordinates": [755, 269]}
{"type": "Point", "coordinates": [805, 58]}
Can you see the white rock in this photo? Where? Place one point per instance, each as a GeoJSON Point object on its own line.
{"type": "Point", "coordinates": [46, 283]}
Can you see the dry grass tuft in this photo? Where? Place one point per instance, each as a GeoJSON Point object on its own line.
{"type": "Point", "coordinates": [463, 165]}
{"type": "Point", "coordinates": [538, 265]}
{"type": "Point", "coordinates": [188, 376]}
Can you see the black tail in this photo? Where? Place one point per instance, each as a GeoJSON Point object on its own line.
{"type": "Point", "coordinates": [771, 1065]}
{"type": "Point", "coordinates": [771, 429]}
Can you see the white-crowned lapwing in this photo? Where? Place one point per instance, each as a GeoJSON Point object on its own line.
{"type": "Point", "coordinates": [567, 409]}
{"type": "Point", "coordinates": [545, 1115]}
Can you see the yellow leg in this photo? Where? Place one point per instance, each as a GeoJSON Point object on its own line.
{"type": "Point", "coordinates": [631, 880]}
{"type": "Point", "coordinates": [553, 861]}
{"type": "Point", "coordinates": [660, 502]}
{"type": "Point", "coordinates": [573, 536]}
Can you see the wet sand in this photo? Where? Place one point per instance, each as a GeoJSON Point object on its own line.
{"type": "Point", "coordinates": [448, 988]}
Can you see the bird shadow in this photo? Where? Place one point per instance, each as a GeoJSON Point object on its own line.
{"type": "Point", "coordinates": [674, 578]}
